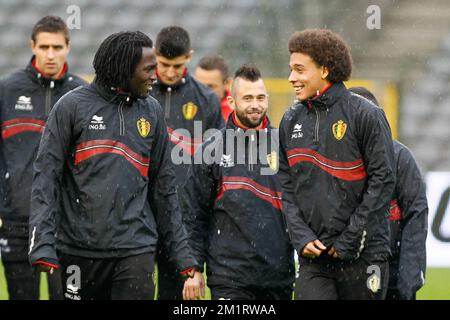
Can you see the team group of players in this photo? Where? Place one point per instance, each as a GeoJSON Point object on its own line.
{"type": "Point", "coordinates": [91, 195]}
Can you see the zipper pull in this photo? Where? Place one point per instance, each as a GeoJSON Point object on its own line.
{"type": "Point", "coordinates": [167, 104]}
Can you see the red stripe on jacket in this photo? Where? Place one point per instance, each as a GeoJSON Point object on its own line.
{"type": "Point", "coordinates": [19, 125]}
{"type": "Point", "coordinates": [190, 145]}
{"type": "Point", "coordinates": [350, 171]}
{"type": "Point", "coordinates": [395, 213]}
{"type": "Point", "coordinates": [243, 183]}
{"type": "Point", "coordinates": [92, 148]}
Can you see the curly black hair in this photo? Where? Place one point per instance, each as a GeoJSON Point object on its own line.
{"type": "Point", "coordinates": [325, 48]}
{"type": "Point", "coordinates": [117, 57]}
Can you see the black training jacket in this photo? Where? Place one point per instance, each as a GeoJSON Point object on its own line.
{"type": "Point", "coordinates": [110, 156]}
{"type": "Point", "coordinates": [26, 98]}
{"type": "Point", "coordinates": [184, 103]}
{"type": "Point", "coordinates": [338, 173]}
{"type": "Point", "coordinates": [409, 224]}
{"type": "Point", "coordinates": [232, 206]}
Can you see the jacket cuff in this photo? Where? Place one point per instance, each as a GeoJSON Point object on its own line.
{"type": "Point", "coordinates": [186, 272]}
{"type": "Point", "coordinates": [48, 262]}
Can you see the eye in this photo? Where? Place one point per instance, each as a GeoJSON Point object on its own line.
{"type": "Point", "coordinates": [261, 98]}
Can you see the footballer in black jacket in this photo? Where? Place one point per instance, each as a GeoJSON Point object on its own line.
{"type": "Point", "coordinates": [26, 98]}
{"type": "Point", "coordinates": [104, 186]}
{"type": "Point", "coordinates": [232, 202]}
{"type": "Point", "coordinates": [338, 173]}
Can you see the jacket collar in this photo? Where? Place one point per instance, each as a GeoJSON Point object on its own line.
{"type": "Point", "coordinates": [327, 97]}
{"type": "Point", "coordinates": [37, 75]}
{"type": "Point", "coordinates": [164, 87]}
{"type": "Point", "coordinates": [112, 94]}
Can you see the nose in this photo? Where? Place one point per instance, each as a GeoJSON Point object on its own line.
{"type": "Point", "coordinates": [291, 77]}
{"type": "Point", "coordinates": [153, 76]}
{"type": "Point", "coordinates": [170, 72]}
{"type": "Point", "coordinates": [50, 54]}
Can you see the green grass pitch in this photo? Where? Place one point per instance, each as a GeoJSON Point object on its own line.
{"type": "Point", "coordinates": [437, 285]}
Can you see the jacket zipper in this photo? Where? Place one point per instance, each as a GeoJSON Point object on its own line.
{"type": "Point", "coordinates": [167, 103]}
{"type": "Point", "coordinates": [48, 97]}
{"type": "Point", "coordinates": [121, 120]}
{"type": "Point", "coordinates": [316, 132]}
{"type": "Point", "coordinates": [250, 166]}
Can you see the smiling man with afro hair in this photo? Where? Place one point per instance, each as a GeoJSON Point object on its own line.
{"type": "Point", "coordinates": [337, 144]}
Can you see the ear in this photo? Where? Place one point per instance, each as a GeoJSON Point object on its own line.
{"type": "Point", "coordinates": [32, 45]}
{"type": "Point", "coordinates": [231, 102]}
{"type": "Point", "coordinates": [324, 73]}
{"type": "Point", "coordinates": [189, 56]}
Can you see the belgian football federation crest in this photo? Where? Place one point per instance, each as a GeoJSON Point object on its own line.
{"type": "Point", "coordinates": [143, 127]}
{"type": "Point", "coordinates": [339, 129]}
{"type": "Point", "coordinates": [272, 160]}
{"type": "Point", "coordinates": [189, 110]}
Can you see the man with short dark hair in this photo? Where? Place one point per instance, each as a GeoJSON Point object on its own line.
{"type": "Point", "coordinates": [338, 174]}
{"type": "Point", "coordinates": [26, 98]}
{"type": "Point", "coordinates": [232, 202]}
{"type": "Point", "coordinates": [212, 71]}
{"type": "Point", "coordinates": [187, 104]}
{"type": "Point", "coordinates": [104, 188]}
{"type": "Point", "coordinates": [408, 221]}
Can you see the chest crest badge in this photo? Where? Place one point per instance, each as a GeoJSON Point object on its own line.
{"type": "Point", "coordinates": [143, 127]}
{"type": "Point", "coordinates": [189, 110]}
{"type": "Point", "coordinates": [339, 129]}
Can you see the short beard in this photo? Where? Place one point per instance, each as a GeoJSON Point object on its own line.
{"type": "Point", "coordinates": [246, 122]}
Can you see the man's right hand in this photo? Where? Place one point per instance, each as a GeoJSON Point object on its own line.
{"type": "Point", "coordinates": [44, 266]}
{"type": "Point", "coordinates": [194, 288]}
{"type": "Point", "coordinates": [313, 249]}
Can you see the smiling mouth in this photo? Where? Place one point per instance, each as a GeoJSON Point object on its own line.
{"type": "Point", "coordinates": [299, 88]}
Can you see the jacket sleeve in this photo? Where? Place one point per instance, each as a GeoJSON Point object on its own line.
{"type": "Point", "coordinates": [414, 207]}
{"type": "Point", "coordinates": [378, 154]}
{"type": "Point", "coordinates": [299, 231]}
{"type": "Point", "coordinates": [48, 169]}
{"type": "Point", "coordinates": [163, 198]}
{"type": "Point", "coordinates": [3, 169]}
{"type": "Point", "coordinates": [197, 202]}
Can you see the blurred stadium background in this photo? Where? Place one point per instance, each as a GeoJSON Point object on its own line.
{"type": "Point", "coordinates": [406, 62]}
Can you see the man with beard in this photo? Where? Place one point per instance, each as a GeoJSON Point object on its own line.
{"type": "Point", "coordinates": [104, 186]}
{"type": "Point", "coordinates": [232, 202]}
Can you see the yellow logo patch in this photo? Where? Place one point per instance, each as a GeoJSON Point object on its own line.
{"type": "Point", "coordinates": [272, 160]}
{"type": "Point", "coordinates": [339, 129]}
{"type": "Point", "coordinates": [189, 110]}
{"type": "Point", "coordinates": [143, 127]}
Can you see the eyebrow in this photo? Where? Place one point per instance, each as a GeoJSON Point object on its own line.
{"type": "Point", "coordinates": [48, 45]}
